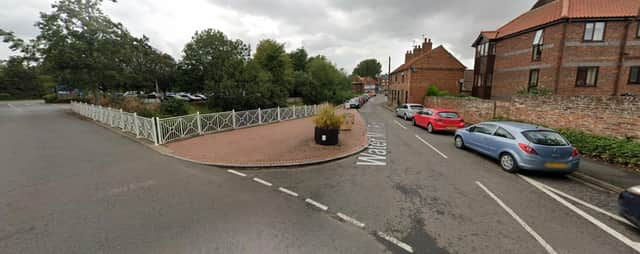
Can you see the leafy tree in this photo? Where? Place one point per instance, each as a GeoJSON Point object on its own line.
{"type": "Point", "coordinates": [368, 68]}
{"type": "Point", "coordinates": [299, 59]}
{"type": "Point", "coordinates": [271, 57]}
{"type": "Point", "coordinates": [328, 84]}
{"type": "Point", "coordinates": [20, 80]}
{"type": "Point", "coordinates": [211, 58]}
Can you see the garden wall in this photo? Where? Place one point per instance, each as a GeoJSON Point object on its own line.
{"type": "Point", "coordinates": [602, 115]}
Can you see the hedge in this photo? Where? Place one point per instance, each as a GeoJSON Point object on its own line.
{"type": "Point", "coordinates": [610, 149]}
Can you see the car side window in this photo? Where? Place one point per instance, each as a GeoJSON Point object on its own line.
{"type": "Point", "coordinates": [428, 112]}
{"type": "Point", "coordinates": [500, 132]}
{"type": "Point", "coordinates": [485, 128]}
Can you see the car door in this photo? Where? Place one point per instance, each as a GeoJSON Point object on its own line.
{"type": "Point", "coordinates": [423, 117]}
{"type": "Point", "coordinates": [500, 140]}
{"type": "Point", "coordinates": [482, 137]}
{"type": "Point", "coordinates": [400, 110]}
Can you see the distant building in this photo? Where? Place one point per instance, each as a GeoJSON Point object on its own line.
{"type": "Point", "coordinates": [569, 47]}
{"type": "Point", "coordinates": [423, 67]}
{"type": "Point", "coordinates": [364, 84]}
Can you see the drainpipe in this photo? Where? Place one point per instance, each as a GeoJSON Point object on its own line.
{"type": "Point", "coordinates": [623, 46]}
{"type": "Point", "coordinates": [561, 58]}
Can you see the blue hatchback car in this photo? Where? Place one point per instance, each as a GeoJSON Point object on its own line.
{"type": "Point", "coordinates": [520, 146]}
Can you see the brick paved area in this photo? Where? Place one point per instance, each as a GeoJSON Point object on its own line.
{"type": "Point", "coordinates": [285, 143]}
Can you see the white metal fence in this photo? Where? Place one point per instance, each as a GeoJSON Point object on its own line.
{"type": "Point", "coordinates": [161, 131]}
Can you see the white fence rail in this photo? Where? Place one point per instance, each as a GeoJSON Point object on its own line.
{"type": "Point", "coordinates": [162, 131]}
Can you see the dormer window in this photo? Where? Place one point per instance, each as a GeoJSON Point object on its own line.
{"type": "Point", "coordinates": [538, 41]}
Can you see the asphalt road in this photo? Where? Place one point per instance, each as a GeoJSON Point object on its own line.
{"type": "Point", "coordinates": [70, 186]}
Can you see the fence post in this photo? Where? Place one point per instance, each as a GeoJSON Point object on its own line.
{"type": "Point", "coordinates": [135, 123]}
{"type": "Point", "coordinates": [233, 116]}
{"type": "Point", "coordinates": [279, 119]}
{"type": "Point", "coordinates": [121, 120]}
{"type": "Point", "coordinates": [259, 116]}
{"type": "Point", "coordinates": [156, 130]}
{"type": "Point", "coordinates": [199, 121]}
{"type": "Point", "coordinates": [305, 111]}
{"type": "Point", "coordinates": [294, 112]}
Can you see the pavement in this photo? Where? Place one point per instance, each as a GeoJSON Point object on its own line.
{"type": "Point", "coordinates": [69, 186]}
{"type": "Point", "coordinates": [281, 144]}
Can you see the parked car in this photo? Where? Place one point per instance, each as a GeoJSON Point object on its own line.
{"type": "Point", "coordinates": [407, 111]}
{"type": "Point", "coordinates": [179, 96]}
{"type": "Point", "coordinates": [438, 120]}
{"type": "Point", "coordinates": [193, 97]}
{"type": "Point", "coordinates": [353, 103]}
{"type": "Point", "coordinates": [629, 204]}
{"type": "Point", "coordinates": [520, 146]}
{"type": "Point", "coordinates": [201, 96]}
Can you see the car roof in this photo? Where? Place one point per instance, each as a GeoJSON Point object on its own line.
{"type": "Point", "coordinates": [414, 104]}
{"type": "Point", "coordinates": [518, 126]}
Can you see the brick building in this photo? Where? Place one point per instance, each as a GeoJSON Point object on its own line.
{"type": "Point", "coordinates": [425, 66]}
{"type": "Point", "coordinates": [568, 47]}
{"type": "Point", "coordinates": [364, 84]}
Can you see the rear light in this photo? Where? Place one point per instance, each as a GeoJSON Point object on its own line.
{"type": "Point", "coordinates": [527, 149]}
{"type": "Point", "coordinates": [575, 152]}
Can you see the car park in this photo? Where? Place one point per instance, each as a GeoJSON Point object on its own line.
{"type": "Point", "coordinates": [406, 111]}
{"type": "Point", "coordinates": [520, 146]}
{"type": "Point", "coordinates": [629, 204]}
{"type": "Point", "coordinates": [438, 120]}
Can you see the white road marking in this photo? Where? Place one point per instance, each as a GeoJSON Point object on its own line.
{"type": "Point", "coordinates": [14, 107]}
{"type": "Point", "coordinates": [262, 181]}
{"type": "Point", "coordinates": [595, 208]}
{"type": "Point", "coordinates": [533, 233]}
{"type": "Point", "coordinates": [399, 124]}
{"type": "Point", "coordinates": [350, 220]}
{"type": "Point", "coordinates": [288, 192]}
{"type": "Point", "coordinates": [432, 147]}
{"type": "Point", "coordinates": [395, 241]}
{"type": "Point", "coordinates": [634, 245]}
{"type": "Point", "coordinates": [316, 204]}
{"type": "Point", "coordinates": [236, 173]}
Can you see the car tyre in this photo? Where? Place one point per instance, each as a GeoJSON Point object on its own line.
{"type": "Point", "coordinates": [429, 128]}
{"type": "Point", "coordinates": [508, 163]}
{"type": "Point", "coordinates": [459, 142]}
{"type": "Point", "coordinates": [406, 118]}
{"type": "Point", "coordinates": [414, 122]}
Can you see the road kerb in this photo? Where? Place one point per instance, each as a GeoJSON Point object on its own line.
{"type": "Point", "coordinates": [597, 182]}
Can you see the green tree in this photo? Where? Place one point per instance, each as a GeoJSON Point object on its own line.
{"type": "Point", "coordinates": [271, 57]}
{"type": "Point", "coordinates": [328, 84]}
{"type": "Point", "coordinates": [299, 59]}
{"type": "Point", "coordinates": [20, 80]}
{"type": "Point", "coordinates": [213, 59]}
{"type": "Point", "coordinates": [368, 68]}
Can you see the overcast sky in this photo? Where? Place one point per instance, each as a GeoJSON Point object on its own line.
{"type": "Point", "coordinates": [346, 31]}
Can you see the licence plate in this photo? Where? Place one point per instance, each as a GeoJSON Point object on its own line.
{"type": "Point", "coordinates": [556, 165]}
{"type": "Point", "coordinates": [452, 128]}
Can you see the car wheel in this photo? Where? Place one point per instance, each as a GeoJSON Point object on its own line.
{"type": "Point", "coordinates": [459, 142]}
{"type": "Point", "coordinates": [429, 128]}
{"type": "Point", "coordinates": [414, 122]}
{"type": "Point", "coordinates": [508, 163]}
{"type": "Point", "coordinates": [405, 117]}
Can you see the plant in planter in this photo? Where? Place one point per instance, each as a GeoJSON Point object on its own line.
{"type": "Point", "coordinates": [327, 126]}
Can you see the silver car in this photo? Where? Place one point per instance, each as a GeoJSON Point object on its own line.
{"type": "Point", "coordinates": [406, 111]}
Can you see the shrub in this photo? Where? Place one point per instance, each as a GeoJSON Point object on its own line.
{"type": "Point", "coordinates": [610, 149]}
{"type": "Point", "coordinates": [174, 107]}
{"type": "Point", "coordinates": [5, 96]}
{"type": "Point", "coordinates": [327, 118]}
{"type": "Point", "coordinates": [132, 104]}
{"type": "Point", "coordinates": [50, 98]}
{"type": "Point", "coordinates": [433, 90]}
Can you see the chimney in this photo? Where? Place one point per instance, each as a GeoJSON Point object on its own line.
{"type": "Point", "coordinates": [427, 45]}
{"type": "Point", "coordinates": [408, 56]}
{"type": "Point", "coordinates": [417, 51]}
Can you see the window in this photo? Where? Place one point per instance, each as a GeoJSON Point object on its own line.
{"type": "Point", "coordinates": [489, 80]}
{"type": "Point", "coordinates": [449, 115]}
{"type": "Point", "coordinates": [545, 138]}
{"type": "Point", "coordinates": [478, 80]}
{"type": "Point", "coordinates": [634, 75]}
{"type": "Point", "coordinates": [534, 76]}
{"type": "Point", "coordinates": [538, 41]}
{"type": "Point", "coordinates": [402, 77]}
{"type": "Point", "coordinates": [485, 128]}
{"type": "Point", "coordinates": [638, 32]}
{"type": "Point", "coordinates": [587, 76]}
{"type": "Point", "coordinates": [483, 49]}
{"type": "Point", "coordinates": [500, 132]}
{"type": "Point", "coordinates": [594, 31]}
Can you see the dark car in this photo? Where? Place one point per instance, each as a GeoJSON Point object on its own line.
{"type": "Point", "coordinates": [629, 202]}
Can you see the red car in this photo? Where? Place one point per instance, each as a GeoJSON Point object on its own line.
{"type": "Point", "coordinates": [438, 119]}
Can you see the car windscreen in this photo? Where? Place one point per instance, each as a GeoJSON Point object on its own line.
{"type": "Point", "coordinates": [546, 138]}
{"type": "Point", "coordinates": [416, 107]}
{"type": "Point", "coordinates": [451, 115]}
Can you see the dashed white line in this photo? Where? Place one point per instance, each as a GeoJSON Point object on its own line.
{"type": "Point", "coordinates": [533, 233]}
{"type": "Point", "coordinates": [316, 204]}
{"type": "Point", "coordinates": [350, 220]}
{"type": "Point", "coordinates": [634, 245]}
{"type": "Point", "coordinates": [14, 107]}
{"type": "Point", "coordinates": [288, 192]}
{"type": "Point", "coordinates": [262, 181]}
{"type": "Point", "coordinates": [236, 173]}
{"type": "Point", "coordinates": [399, 124]}
{"type": "Point", "coordinates": [395, 241]}
{"type": "Point", "coordinates": [432, 147]}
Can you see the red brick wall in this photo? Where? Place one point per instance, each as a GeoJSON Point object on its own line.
{"type": "Point", "coordinates": [513, 60]}
{"type": "Point", "coordinates": [603, 115]}
{"type": "Point", "coordinates": [446, 80]}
